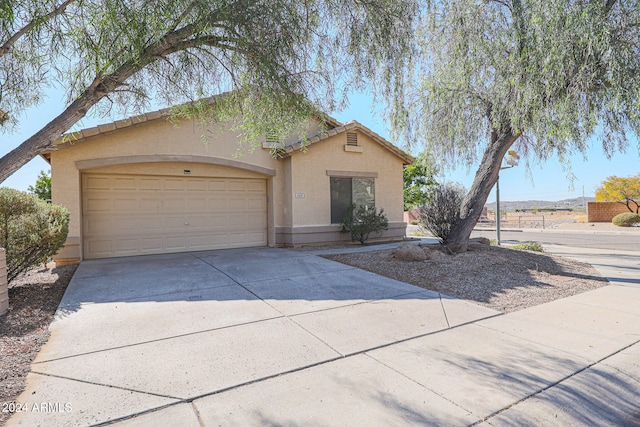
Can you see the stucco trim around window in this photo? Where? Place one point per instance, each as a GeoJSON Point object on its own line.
{"type": "Point", "coordinates": [163, 158]}
{"type": "Point", "coordinates": [351, 174]}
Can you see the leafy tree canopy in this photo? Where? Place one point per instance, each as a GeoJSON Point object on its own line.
{"type": "Point", "coordinates": [282, 60]}
{"type": "Point", "coordinates": [544, 75]}
{"type": "Point", "coordinates": [419, 179]}
{"type": "Point", "coordinates": [621, 190]}
{"type": "Point", "coordinates": [42, 189]}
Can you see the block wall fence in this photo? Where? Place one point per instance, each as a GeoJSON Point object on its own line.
{"type": "Point", "coordinates": [604, 211]}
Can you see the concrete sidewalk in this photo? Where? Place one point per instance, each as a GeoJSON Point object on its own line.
{"type": "Point", "coordinates": [619, 267]}
{"type": "Point", "coordinates": [276, 337]}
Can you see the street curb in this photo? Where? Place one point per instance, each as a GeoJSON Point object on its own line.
{"type": "Point", "coordinates": [559, 231]}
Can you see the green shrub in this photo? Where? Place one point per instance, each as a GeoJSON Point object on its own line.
{"type": "Point", "coordinates": [528, 246]}
{"type": "Point", "coordinates": [443, 210]}
{"type": "Point", "coordinates": [31, 230]}
{"type": "Point", "coordinates": [627, 219]}
{"type": "Point", "coordinates": [361, 221]}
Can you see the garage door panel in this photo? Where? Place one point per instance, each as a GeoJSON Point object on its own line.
{"type": "Point", "coordinates": [236, 185]}
{"type": "Point", "coordinates": [135, 214]}
{"type": "Point", "coordinates": [217, 185]}
{"type": "Point", "coordinates": [125, 246]}
{"type": "Point", "coordinates": [97, 183]}
{"type": "Point", "coordinates": [125, 226]}
{"type": "Point", "coordinates": [172, 224]}
{"type": "Point", "coordinates": [150, 225]}
{"type": "Point", "coordinates": [196, 185]}
{"type": "Point", "coordinates": [174, 205]}
{"type": "Point", "coordinates": [153, 184]}
{"type": "Point", "coordinates": [256, 203]}
{"type": "Point", "coordinates": [175, 243]}
{"type": "Point", "coordinates": [125, 205]}
{"type": "Point", "coordinates": [125, 183]}
{"type": "Point", "coordinates": [94, 205]}
{"type": "Point", "coordinates": [198, 242]}
{"type": "Point", "coordinates": [196, 205]}
{"type": "Point", "coordinates": [173, 184]}
{"type": "Point", "coordinates": [255, 238]}
{"type": "Point", "coordinates": [255, 186]}
{"type": "Point", "coordinates": [237, 203]}
{"type": "Point", "coordinates": [256, 221]}
{"type": "Point", "coordinates": [100, 247]}
{"type": "Point", "coordinates": [197, 222]}
{"type": "Point", "coordinates": [102, 224]}
{"type": "Point", "coordinates": [150, 205]}
{"type": "Point", "coordinates": [218, 221]}
{"type": "Point", "coordinates": [217, 203]}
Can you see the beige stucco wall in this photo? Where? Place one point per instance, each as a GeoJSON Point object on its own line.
{"type": "Point", "coordinates": [158, 138]}
{"type": "Point", "coordinates": [309, 168]}
{"type": "Point", "coordinates": [182, 148]}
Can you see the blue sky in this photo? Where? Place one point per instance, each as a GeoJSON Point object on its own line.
{"type": "Point", "coordinates": [549, 180]}
{"type": "Point", "coordinates": [544, 181]}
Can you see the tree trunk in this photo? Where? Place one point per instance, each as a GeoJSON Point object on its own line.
{"type": "Point", "coordinates": [42, 140]}
{"type": "Point", "coordinates": [485, 179]}
{"type": "Point", "coordinates": [172, 42]}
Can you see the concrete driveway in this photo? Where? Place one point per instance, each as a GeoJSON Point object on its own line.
{"type": "Point", "coordinates": [257, 337]}
{"type": "Point", "coordinates": [181, 331]}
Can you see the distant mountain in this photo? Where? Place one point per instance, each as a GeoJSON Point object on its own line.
{"type": "Point", "coordinates": [575, 203]}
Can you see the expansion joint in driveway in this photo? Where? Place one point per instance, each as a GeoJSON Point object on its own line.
{"type": "Point", "coordinates": [108, 386]}
{"type": "Point", "coordinates": [230, 277]}
{"type": "Point", "coordinates": [446, 318]}
{"type": "Point", "coordinates": [192, 399]}
{"type": "Point", "coordinates": [158, 340]}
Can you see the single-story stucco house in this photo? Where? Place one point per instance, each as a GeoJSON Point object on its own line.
{"type": "Point", "coordinates": [145, 185]}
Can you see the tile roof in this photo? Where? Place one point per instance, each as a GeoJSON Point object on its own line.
{"type": "Point", "coordinates": [349, 126]}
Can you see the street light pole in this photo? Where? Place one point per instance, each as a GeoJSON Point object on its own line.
{"type": "Point", "coordinates": [498, 208]}
{"type": "Point", "coordinates": [512, 160]}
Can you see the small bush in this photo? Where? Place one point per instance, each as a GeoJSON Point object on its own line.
{"type": "Point", "coordinates": [31, 230]}
{"type": "Point", "coordinates": [528, 246]}
{"type": "Point", "coordinates": [627, 219]}
{"type": "Point", "coordinates": [443, 211]}
{"type": "Point", "coordinates": [361, 221]}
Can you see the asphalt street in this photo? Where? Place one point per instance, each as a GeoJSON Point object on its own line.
{"type": "Point", "coordinates": [576, 239]}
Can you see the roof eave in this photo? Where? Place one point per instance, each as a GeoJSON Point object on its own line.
{"type": "Point", "coordinates": [289, 150]}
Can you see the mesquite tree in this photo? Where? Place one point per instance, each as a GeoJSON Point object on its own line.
{"type": "Point", "coordinates": [624, 190]}
{"type": "Point", "coordinates": [281, 59]}
{"type": "Point", "coordinates": [544, 75]}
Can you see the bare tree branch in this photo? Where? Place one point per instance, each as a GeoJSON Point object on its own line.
{"type": "Point", "coordinates": [6, 46]}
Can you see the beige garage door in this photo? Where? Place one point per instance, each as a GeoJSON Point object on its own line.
{"type": "Point", "coordinates": [138, 214]}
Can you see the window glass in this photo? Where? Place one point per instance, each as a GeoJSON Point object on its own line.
{"type": "Point", "coordinates": [345, 191]}
{"type": "Point", "coordinates": [340, 198]}
{"type": "Point", "coordinates": [362, 192]}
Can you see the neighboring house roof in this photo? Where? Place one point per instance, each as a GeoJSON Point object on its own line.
{"type": "Point", "coordinates": [76, 137]}
{"type": "Point", "coordinates": [349, 126]}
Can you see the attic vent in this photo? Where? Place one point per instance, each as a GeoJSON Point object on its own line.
{"type": "Point", "coordinates": [352, 138]}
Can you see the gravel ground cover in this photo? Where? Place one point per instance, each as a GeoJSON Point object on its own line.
{"type": "Point", "coordinates": [33, 300]}
{"type": "Point", "coordinates": [497, 277]}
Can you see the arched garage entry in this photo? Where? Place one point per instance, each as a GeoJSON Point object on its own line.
{"type": "Point", "coordinates": [163, 204]}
